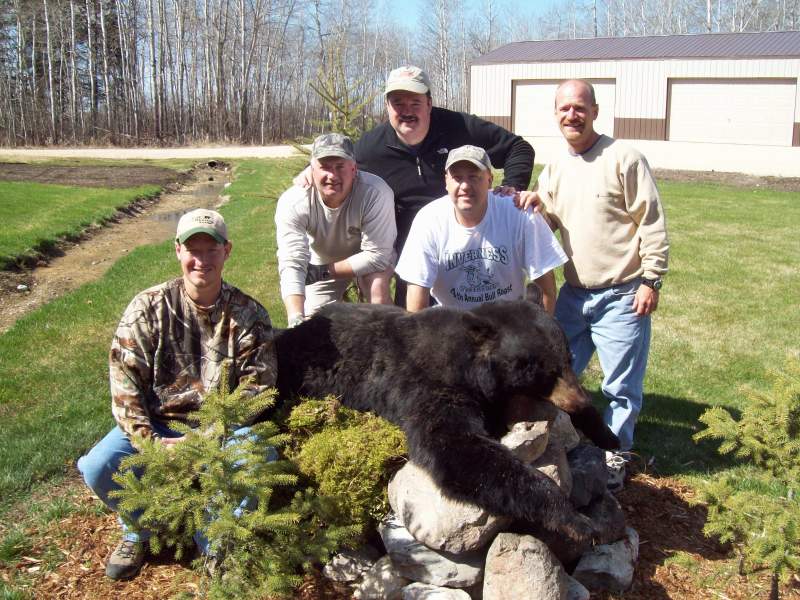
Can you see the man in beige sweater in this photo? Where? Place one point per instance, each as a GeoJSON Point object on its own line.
{"type": "Point", "coordinates": [600, 194]}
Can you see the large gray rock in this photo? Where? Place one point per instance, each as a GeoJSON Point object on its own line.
{"type": "Point", "coordinates": [589, 475]}
{"type": "Point", "coordinates": [576, 590]}
{"type": "Point", "coordinates": [527, 439]}
{"type": "Point", "coordinates": [609, 566]}
{"type": "Point", "coordinates": [417, 562]}
{"type": "Point", "coordinates": [381, 582]}
{"type": "Point", "coordinates": [424, 591]}
{"type": "Point", "coordinates": [553, 463]}
{"type": "Point", "coordinates": [608, 517]}
{"type": "Point", "coordinates": [520, 566]}
{"type": "Point", "coordinates": [434, 519]}
{"type": "Point", "coordinates": [561, 429]}
{"type": "Point", "coordinates": [349, 565]}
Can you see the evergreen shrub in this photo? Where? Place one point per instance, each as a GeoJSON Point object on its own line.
{"type": "Point", "coordinates": [758, 510]}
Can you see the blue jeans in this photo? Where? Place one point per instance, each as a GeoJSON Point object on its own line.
{"type": "Point", "coordinates": [102, 461]}
{"type": "Point", "coordinates": [604, 320]}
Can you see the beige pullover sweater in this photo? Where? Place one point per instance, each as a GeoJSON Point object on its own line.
{"type": "Point", "coordinates": [607, 207]}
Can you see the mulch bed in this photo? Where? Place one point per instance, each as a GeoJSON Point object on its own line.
{"type": "Point", "coordinates": [660, 509]}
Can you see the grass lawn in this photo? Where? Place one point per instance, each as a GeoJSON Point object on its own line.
{"type": "Point", "coordinates": [36, 215]}
{"type": "Point", "coordinates": [54, 400]}
{"type": "Point", "coordinates": [728, 313]}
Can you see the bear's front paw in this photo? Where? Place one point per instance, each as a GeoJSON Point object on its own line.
{"type": "Point", "coordinates": [580, 530]}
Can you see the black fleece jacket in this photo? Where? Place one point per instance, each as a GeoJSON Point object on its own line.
{"type": "Point", "coordinates": [417, 177]}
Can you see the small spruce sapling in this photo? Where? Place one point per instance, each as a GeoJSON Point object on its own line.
{"type": "Point", "coordinates": [760, 513]}
{"type": "Point", "coordinates": [200, 483]}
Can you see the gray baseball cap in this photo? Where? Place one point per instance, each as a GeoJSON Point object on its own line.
{"type": "Point", "coordinates": [333, 144]}
{"type": "Point", "coordinates": [201, 220]}
{"type": "Point", "coordinates": [409, 79]}
{"type": "Point", "coordinates": [473, 154]}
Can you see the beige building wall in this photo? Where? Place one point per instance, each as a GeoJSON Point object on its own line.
{"type": "Point", "coordinates": [641, 106]}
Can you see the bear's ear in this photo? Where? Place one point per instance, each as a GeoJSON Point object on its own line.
{"type": "Point", "coordinates": [533, 293]}
{"type": "Point", "coordinates": [480, 330]}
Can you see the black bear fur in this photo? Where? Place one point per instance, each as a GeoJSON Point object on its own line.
{"type": "Point", "coordinates": [452, 380]}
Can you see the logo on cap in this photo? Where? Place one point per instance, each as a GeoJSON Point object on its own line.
{"type": "Point", "coordinates": [201, 220]}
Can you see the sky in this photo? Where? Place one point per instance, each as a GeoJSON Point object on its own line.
{"type": "Point", "coordinates": [408, 12]}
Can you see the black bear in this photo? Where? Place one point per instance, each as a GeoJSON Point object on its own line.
{"type": "Point", "coordinates": [451, 380]}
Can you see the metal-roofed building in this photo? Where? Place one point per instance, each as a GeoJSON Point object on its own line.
{"type": "Point", "coordinates": [722, 101]}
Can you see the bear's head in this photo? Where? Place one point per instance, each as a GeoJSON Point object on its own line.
{"type": "Point", "coordinates": [523, 352]}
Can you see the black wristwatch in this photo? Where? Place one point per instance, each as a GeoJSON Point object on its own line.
{"type": "Point", "coordinates": [316, 273]}
{"type": "Point", "coordinates": [654, 284]}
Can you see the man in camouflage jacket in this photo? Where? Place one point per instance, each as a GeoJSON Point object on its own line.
{"type": "Point", "coordinates": [168, 352]}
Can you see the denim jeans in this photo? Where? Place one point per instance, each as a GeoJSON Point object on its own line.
{"type": "Point", "coordinates": [604, 320]}
{"type": "Point", "coordinates": [102, 461]}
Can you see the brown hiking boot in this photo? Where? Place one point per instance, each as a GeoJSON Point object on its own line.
{"type": "Point", "coordinates": [125, 561]}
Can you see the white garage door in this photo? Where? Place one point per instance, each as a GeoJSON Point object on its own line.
{"type": "Point", "coordinates": [534, 106]}
{"type": "Point", "coordinates": [745, 111]}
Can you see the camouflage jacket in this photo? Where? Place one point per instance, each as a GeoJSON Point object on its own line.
{"type": "Point", "coordinates": [168, 352]}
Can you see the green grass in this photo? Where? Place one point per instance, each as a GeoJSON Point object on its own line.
{"type": "Point", "coordinates": [728, 312]}
{"type": "Point", "coordinates": [54, 401]}
{"type": "Point", "coordinates": [13, 545]}
{"type": "Point", "coordinates": [36, 215]}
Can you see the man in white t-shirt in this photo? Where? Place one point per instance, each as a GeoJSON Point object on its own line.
{"type": "Point", "coordinates": [471, 246]}
{"type": "Point", "coordinates": [339, 229]}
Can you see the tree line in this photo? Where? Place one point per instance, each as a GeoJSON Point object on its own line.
{"type": "Point", "coordinates": [163, 72]}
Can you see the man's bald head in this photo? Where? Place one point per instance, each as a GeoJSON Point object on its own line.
{"type": "Point", "coordinates": [576, 110]}
{"type": "Point", "coordinates": [579, 83]}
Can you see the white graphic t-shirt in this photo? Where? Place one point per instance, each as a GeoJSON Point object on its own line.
{"type": "Point", "coordinates": [466, 266]}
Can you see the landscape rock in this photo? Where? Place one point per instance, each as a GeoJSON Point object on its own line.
{"type": "Point", "coordinates": [381, 582]}
{"type": "Point", "coordinates": [437, 521]}
{"type": "Point", "coordinates": [587, 465]}
{"type": "Point", "coordinates": [576, 590]}
{"type": "Point", "coordinates": [521, 566]}
{"type": "Point", "coordinates": [562, 431]}
{"type": "Point", "coordinates": [609, 566]}
{"type": "Point", "coordinates": [424, 591]}
{"type": "Point", "coordinates": [527, 439]}
{"type": "Point", "coordinates": [417, 562]}
{"type": "Point", "coordinates": [553, 463]}
{"type": "Point", "coordinates": [349, 565]}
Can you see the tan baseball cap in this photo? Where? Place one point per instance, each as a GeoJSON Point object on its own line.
{"type": "Point", "coordinates": [409, 79]}
{"type": "Point", "coordinates": [333, 144]}
{"type": "Point", "coordinates": [473, 154]}
{"type": "Point", "coordinates": [201, 220]}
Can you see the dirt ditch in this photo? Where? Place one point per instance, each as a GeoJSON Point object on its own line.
{"type": "Point", "coordinates": [145, 222]}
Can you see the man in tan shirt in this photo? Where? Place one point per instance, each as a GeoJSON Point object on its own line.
{"type": "Point", "coordinates": [600, 194]}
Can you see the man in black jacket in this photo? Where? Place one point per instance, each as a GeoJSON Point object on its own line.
{"type": "Point", "coordinates": [410, 150]}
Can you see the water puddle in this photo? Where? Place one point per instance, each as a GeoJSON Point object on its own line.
{"type": "Point", "coordinates": [89, 259]}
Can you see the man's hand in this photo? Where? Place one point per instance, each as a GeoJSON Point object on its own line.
{"type": "Point", "coordinates": [505, 190]}
{"type": "Point", "coordinates": [170, 443]}
{"type": "Point", "coordinates": [646, 300]}
{"type": "Point", "coordinates": [295, 319]}
{"type": "Point", "coordinates": [525, 200]}
{"type": "Point", "coordinates": [316, 273]}
{"type": "Point", "coordinates": [303, 179]}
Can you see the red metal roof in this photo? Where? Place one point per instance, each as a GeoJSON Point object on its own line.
{"type": "Point", "coordinates": [771, 44]}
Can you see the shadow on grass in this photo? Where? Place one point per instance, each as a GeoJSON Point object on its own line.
{"type": "Point", "coordinates": [664, 436]}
